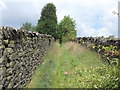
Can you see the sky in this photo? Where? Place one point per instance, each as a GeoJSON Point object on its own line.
{"type": "Point", "coordinates": [92, 17]}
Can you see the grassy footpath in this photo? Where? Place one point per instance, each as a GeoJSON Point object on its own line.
{"type": "Point", "coordinates": [72, 66]}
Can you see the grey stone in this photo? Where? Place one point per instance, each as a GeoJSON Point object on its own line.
{"type": "Point", "coordinates": [1, 77]}
{"type": "Point", "coordinates": [1, 34]}
{"type": "Point", "coordinates": [21, 52]}
{"type": "Point", "coordinates": [8, 51]}
{"type": "Point", "coordinates": [13, 56]}
{"type": "Point", "coordinates": [11, 84]}
{"type": "Point", "coordinates": [1, 71]}
{"type": "Point", "coordinates": [1, 86]}
{"type": "Point", "coordinates": [1, 50]}
{"type": "Point", "coordinates": [11, 45]}
{"type": "Point", "coordinates": [5, 42]}
{"type": "Point", "coordinates": [1, 42]}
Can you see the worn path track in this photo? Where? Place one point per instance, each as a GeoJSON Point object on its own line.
{"type": "Point", "coordinates": [70, 66]}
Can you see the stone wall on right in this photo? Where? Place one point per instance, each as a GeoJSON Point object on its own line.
{"type": "Point", "coordinates": [108, 49]}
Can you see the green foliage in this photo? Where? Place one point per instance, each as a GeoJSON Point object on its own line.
{"type": "Point", "coordinates": [109, 53]}
{"type": "Point", "coordinates": [72, 66]}
{"type": "Point", "coordinates": [94, 77]}
{"type": "Point", "coordinates": [66, 29]}
{"type": "Point", "coordinates": [111, 37]}
{"type": "Point", "coordinates": [110, 48]}
{"type": "Point", "coordinates": [47, 24]}
{"type": "Point", "coordinates": [27, 26]}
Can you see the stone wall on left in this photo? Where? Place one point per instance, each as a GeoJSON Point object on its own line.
{"type": "Point", "coordinates": [21, 52]}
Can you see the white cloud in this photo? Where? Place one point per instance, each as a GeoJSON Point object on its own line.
{"type": "Point", "coordinates": [2, 5]}
{"type": "Point", "coordinates": [97, 14]}
{"type": "Point", "coordinates": [93, 17]}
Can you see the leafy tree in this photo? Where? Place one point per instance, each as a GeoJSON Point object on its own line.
{"type": "Point", "coordinates": [27, 26]}
{"type": "Point", "coordinates": [111, 37]}
{"type": "Point", "coordinates": [47, 24]}
{"type": "Point", "coordinates": [66, 29]}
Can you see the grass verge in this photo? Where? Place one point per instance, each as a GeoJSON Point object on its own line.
{"type": "Point", "coordinates": [72, 66]}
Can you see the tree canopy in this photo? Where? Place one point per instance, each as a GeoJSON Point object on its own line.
{"type": "Point", "coordinates": [27, 26]}
{"type": "Point", "coordinates": [47, 24]}
{"type": "Point", "coordinates": [67, 29]}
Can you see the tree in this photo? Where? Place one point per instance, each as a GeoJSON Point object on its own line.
{"type": "Point", "coordinates": [47, 24]}
{"type": "Point", "coordinates": [111, 37]}
{"type": "Point", "coordinates": [66, 29]}
{"type": "Point", "coordinates": [27, 26]}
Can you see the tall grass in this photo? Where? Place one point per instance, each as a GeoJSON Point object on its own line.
{"type": "Point", "coordinates": [71, 65]}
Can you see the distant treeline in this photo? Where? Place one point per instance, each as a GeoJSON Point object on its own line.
{"type": "Point", "coordinates": [48, 24]}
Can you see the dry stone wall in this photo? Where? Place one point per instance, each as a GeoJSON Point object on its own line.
{"type": "Point", "coordinates": [21, 52]}
{"type": "Point", "coordinates": [108, 49]}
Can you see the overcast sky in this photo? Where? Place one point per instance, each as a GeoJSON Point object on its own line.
{"type": "Point", "coordinates": [93, 17]}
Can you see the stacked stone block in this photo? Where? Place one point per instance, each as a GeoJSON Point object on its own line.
{"type": "Point", "coordinates": [21, 52]}
{"type": "Point", "coordinates": [98, 43]}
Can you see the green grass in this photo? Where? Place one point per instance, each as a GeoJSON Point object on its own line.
{"type": "Point", "coordinates": [72, 66]}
